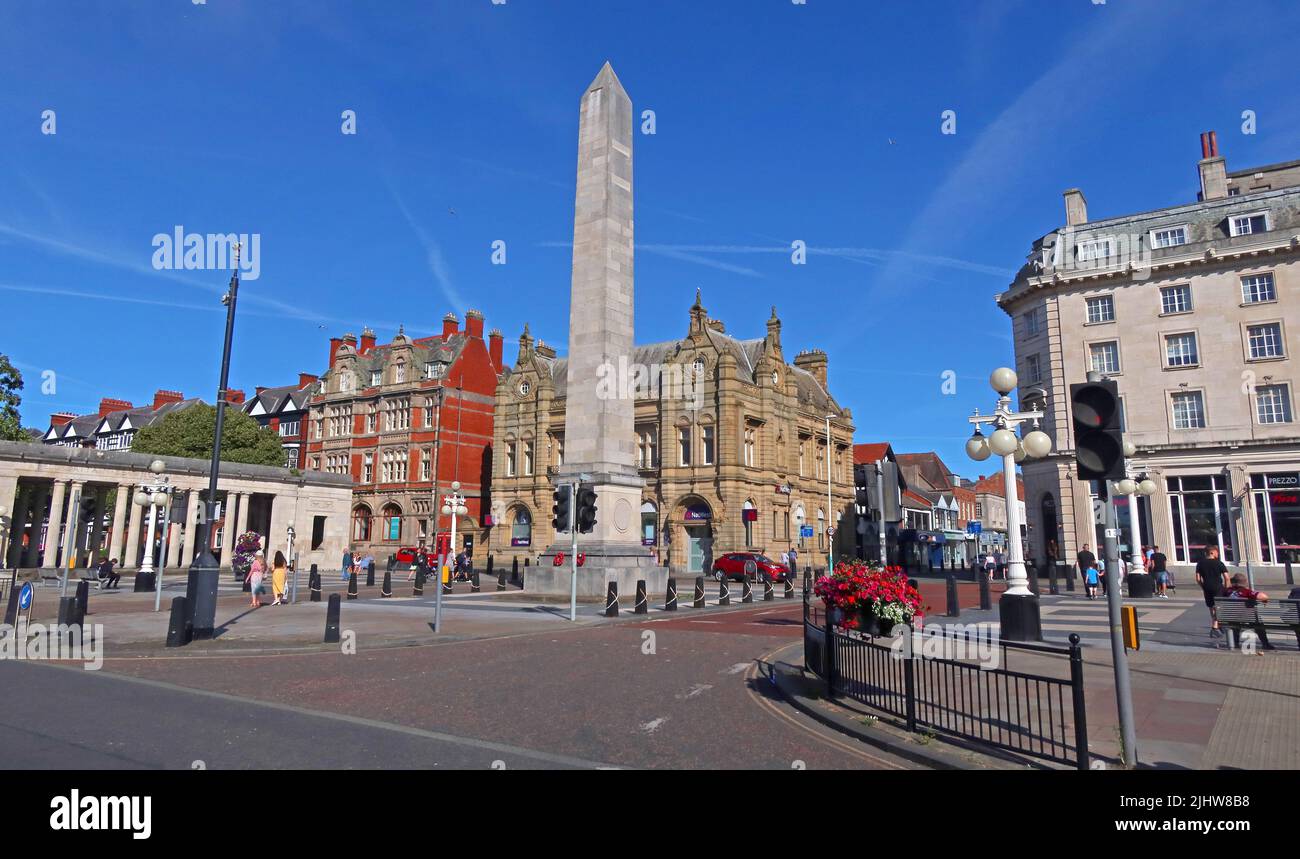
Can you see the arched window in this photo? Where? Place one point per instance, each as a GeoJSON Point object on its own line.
{"type": "Point", "coordinates": [361, 524]}
{"type": "Point", "coordinates": [749, 515]}
{"type": "Point", "coordinates": [521, 529]}
{"type": "Point", "coordinates": [649, 523]}
{"type": "Point", "coordinates": [392, 523]}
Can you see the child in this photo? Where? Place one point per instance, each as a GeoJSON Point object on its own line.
{"type": "Point", "coordinates": [1090, 581]}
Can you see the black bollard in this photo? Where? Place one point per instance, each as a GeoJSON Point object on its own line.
{"type": "Point", "coordinates": [724, 591]}
{"type": "Point", "coordinates": [501, 581]}
{"type": "Point", "coordinates": [332, 619]}
{"type": "Point", "coordinates": [83, 598]}
{"type": "Point", "coordinates": [370, 574]}
{"type": "Point", "coordinates": [489, 567]}
{"type": "Point", "coordinates": [670, 600]}
{"type": "Point", "coordinates": [611, 600]}
{"type": "Point", "coordinates": [178, 627]}
{"type": "Point", "coordinates": [418, 590]}
{"type": "Point", "coordinates": [768, 593]}
{"type": "Point", "coordinates": [514, 569]}
{"type": "Point", "coordinates": [68, 612]}
{"type": "Point", "coordinates": [642, 602]}
{"type": "Point", "coordinates": [1053, 586]}
{"type": "Point", "coordinates": [387, 589]}
{"type": "Point", "coordinates": [986, 603]}
{"type": "Point", "coordinates": [143, 583]}
{"type": "Point", "coordinates": [699, 592]}
{"type": "Point", "coordinates": [313, 583]}
{"type": "Point", "coordinates": [1290, 579]}
{"type": "Point", "coordinates": [352, 587]}
{"type": "Point", "coordinates": [473, 582]}
{"type": "Point", "coordinates": [954, 605]}
{"type": "Point", "coordinates": [746, 590]}
{"type": "Point", "coordinates": [1032, 570]}
{"type": "Point", "coordinates": [789, 589]}
{"type": "Point", "coordinates": [1069, 578]}
{"type": "Point", "coordinates": [392, 563]}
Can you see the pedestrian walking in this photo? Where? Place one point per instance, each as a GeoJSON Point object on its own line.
{"type": "Point", "coordinates": [1159, 566]}
{"type": "Point", "coordinates": [794, 559]}
{"type": "Point", "coordinates": [1090, 579]}
{"type": "Point", "coordinates": [347, 562]}
{"type": "Point", "coordinates": [1212, 576]}
{"type": "Point", "coordinates": [256, 573]}
{"type": "Point", "coordinates": [1085, 559]}
{"type": "Point", "coordinates": [279, 575]}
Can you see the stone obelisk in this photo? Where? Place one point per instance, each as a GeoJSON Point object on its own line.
{"type": "Point", "coordinates": [599, 440]}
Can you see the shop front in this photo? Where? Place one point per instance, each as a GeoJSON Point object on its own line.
{"type": "Point", "coordinates": [1276, 498]}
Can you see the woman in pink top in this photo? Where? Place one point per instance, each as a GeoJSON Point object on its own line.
{"type": "Point", "coordinates": [255, 575]}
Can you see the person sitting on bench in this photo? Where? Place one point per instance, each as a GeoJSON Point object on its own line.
{"type": "Point", "coordinates": [1240, 590]}
{"type": "Point", "coordinates": [108, 573]}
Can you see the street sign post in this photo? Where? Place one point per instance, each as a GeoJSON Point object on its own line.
{"type": "Point", "coordinates": [805, 531]}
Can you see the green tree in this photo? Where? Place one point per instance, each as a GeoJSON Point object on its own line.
{"type": "Point", "coordinates": [189, 432]}
{"type": "Point", "coordinates": [11, 385]}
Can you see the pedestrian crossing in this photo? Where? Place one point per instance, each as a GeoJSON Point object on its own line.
{"type": "Point", "coordinates": [1090, 619]}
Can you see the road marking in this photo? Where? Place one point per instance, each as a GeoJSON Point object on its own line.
{"type": "Point", "coordinates": [487, 745]}
{"type": "Point", "coordinates": [697, 689]}
{"type": "Point", "coordinates": [653, 725]}
{"type": "Point", "coordinates": [736, 669]}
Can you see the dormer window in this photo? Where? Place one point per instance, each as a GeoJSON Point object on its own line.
{"type": "Point", "coordinates": [376, 378]}
{"type": "Point", "coordinates": [1244, 225]}
{"type": "Point", "coordinates": [433, 370]}
{"type": "Point", "coordinates": [1169, 237]}
{"type": "Point", "coordinates": [1095, 250]}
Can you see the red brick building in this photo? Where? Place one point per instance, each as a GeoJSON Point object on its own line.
{"type": "Point", "coordinates": [395, 415]}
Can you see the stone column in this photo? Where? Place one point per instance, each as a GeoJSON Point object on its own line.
{"type": "Point", "coordinates": [75, 497]}
{"type": "Point", "coordinates": [174, 539]}
{"type": "Point", "coordinates": [228, 531]}
{"type": "Point", "coordinates": [53, 537]}
{"type": "Point", "coordinates": [9, 498]}
{"type": "Point", "coordinates": [243, 513]}
{"type": "Point", "coordinates": [133, 532]}
{"type": "Point", "coordinates": [119, 515]}
{"type": "Point", "coordinates": [40, 498]}
{"type": "Point", "coordinates": [17, 523]}
{"type": "Point", "coordinates": [191, 528]}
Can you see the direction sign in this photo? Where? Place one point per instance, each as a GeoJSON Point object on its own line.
{"type": "Point", "coordinates": [805, 530]}
{"type": "Point", "coordinates": [974, 527]}
{"type": "Point", "coordinates": [25, 597]}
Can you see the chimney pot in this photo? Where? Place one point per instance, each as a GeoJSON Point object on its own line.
{"type": "Point", "coordinates": [1076, 208]}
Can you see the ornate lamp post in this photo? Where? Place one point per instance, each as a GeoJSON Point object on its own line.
{"type": "Point", "coordinates": [153, 496]}
{"type": "Point", "coordinates": [453, 505]}
{"type": "Point", "coordinates": [1018, 606]}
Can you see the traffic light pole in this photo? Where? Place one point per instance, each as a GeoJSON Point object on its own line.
{"type": "Point", "coordinates": [573, 555]}
{"type": "Point", "coordinates": [1114, 582]}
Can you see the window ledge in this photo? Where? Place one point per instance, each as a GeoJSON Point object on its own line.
{"type": "Point", "coordinates": [1195, 366]}
{"type": "Point", "coordinates": [1103, 322]}
{"type": "Point", "coordinates": [1268, 360]}
{"type": "Point", "coordinates": [1257, 303]}
{"type": "Point", "coordinates": [1176, 313]}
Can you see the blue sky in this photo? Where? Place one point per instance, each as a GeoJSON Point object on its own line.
{"type": "Point", "coordinates": [775, 122]}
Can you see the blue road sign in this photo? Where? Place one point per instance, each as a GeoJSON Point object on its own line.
{"type": "Point", "coordinates": [805, 531]}
{"type": "Point", "coordinates": [25, 596]}
{"type": "Point", "coordinates": [974, 527]}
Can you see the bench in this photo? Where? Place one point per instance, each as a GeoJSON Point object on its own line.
{"type": "Point", "coordinates": [1239, 614]}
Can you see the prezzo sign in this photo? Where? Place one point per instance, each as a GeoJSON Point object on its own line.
{"type": "Point", "coordinates": [1283, 481]}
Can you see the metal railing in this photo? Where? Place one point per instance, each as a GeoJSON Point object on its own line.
{"type": "Point", "coordinates": [1038, 715]}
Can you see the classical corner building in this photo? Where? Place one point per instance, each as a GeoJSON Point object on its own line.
{"type": "Point", "coordinates": [404, 420]}
{"type": "Point", "coordinates": [1191, 309]}
{"type": "Point", "coordinates": [72, 506]}
{"type": "Point", "coordinates": [736, 461]}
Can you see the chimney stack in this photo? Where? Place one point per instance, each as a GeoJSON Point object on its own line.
{"type": "Point", "coordinates": [108, 405]}
{"type": "Point", "coordinates": [496, 343]}
{"type": "Point", "coordinates": [335, 342]}
{"type": "Point", "coordinates": [449, 325]}
{"type": "Point", "coordinates": [367, 340]}
{"type": "Point", "coordinates": [59, 419]}
{"type": "Point", "coordinates": [1076, 208]}
{"type": "Point", "coordinates": [813, 361]}
{"type": "Point", "coordinates": [162, 398]}
{"type": "Point", "coordinates": [305, 379]}
{"type": "Point", "coordinates": [474, 324]}
{"type": "Point", "coordinates": [235, 396]}
{"type": "Point", "coordinates": [1213, 169]}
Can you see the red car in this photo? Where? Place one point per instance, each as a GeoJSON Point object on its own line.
{"type": "Point", "coordinates": [732, 566]}
{"type": "Point", "coordinates": [406, 555]}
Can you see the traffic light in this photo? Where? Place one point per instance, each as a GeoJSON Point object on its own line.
{"type": "Point", "coordinates": [1098, 442]}
{"type": "Point", "coordinates": [861, 486]}
{"type": "Point", "coordinates": [586, 510]}
{"type": "Point", "coordinates": [562, 508]}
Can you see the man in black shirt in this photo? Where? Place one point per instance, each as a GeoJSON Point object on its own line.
{"type": "Point", "coordinates": [1085, 559]}
{"type": "Point", "coordinates": [1159, 569]}
{"type": "Point", "coordinates": [1212, 576]}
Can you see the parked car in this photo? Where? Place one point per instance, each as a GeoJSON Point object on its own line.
{"type": "Point", "coordinates": [732, 566]}
{"type": "Point", "coordinates": [406, 555]}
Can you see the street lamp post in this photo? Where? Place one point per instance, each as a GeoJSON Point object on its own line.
{"type": "Point", "coordinates": [830, 503]}
{"type": "Point", "coordinates": [201, 589]}
{"type": "Point", "coordinates": [1018, 607]}
{"type": "Point", "coordinates": [453, 505]}
{"type": "Point", "coordinates": [155, 496]}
